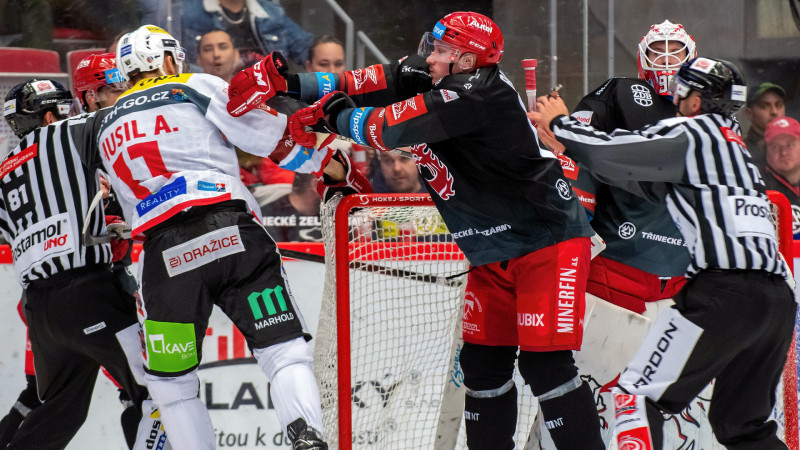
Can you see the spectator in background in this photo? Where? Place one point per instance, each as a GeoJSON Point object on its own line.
{"type": "Point", "coordinates": [256, 26]}
{"type": "Point", "coordinates": [325, 54]}
{"type": "Point", "coordinates": [295, 217]}
{"type": "Point", "coordinates": [398, 174]}
{"type": "Point", "coordinates": [764, 105]}
{"type": "Point", "coordinates": [217, 55]}
{"type": "Point", "coordinates": [782, 172]}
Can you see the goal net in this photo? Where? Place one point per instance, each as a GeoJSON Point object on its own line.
{"type": "Point", "coordinates": [386, 352]}
{"type": "Point", "coordinates": [383, 352]}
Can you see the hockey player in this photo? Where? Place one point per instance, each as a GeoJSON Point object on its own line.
{"type": "Point", "coordinates": [168, 146]}
{"type": "Point", "coordinates": [78, 315]}
{"type": "Point", "coordinates": [645, 256]}
{"type": "Point", "coordinates": [507, 206]}
{"type": "Point", "coordinates": [733, 320]}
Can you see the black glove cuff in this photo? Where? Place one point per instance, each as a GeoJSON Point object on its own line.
{"type": "Point", "coordinates": [293, 86]}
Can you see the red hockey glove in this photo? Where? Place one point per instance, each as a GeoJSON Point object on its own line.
{"type": "Point", "coordinates": [354, 183]}
{"type": "Point", "coordinates": [119, 247]}
{"type": "Point", "coordinates": [254, 85]}
{"type": "Point", "coordinates": [314, 117]}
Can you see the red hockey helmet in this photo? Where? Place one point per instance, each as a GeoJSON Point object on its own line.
{"type": "Point", "coordinates": [466, 32]}
{"type": "Point", "coordinates": [659, 68]}
{"type": "Point", "coordinates": [94, 72]}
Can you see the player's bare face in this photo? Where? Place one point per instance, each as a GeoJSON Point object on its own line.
{"type": "Point", "coordinates": [783, 156]}
{"type": "Point", "coordinates": [440, 59]}
{"type": "Point", "coordinates": [328, 57]}
{"type": "Point", "coordinates": [664, 57]}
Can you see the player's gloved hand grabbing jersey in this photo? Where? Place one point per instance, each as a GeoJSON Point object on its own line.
{"type": "Point", "coordinates": [119, 247]}
{"type": "Point", "coordinates": [354, 181]}
{"type": "Point", "coordinates": [320, 115]}
{"type": "Point", "coordinates": [251, 87]}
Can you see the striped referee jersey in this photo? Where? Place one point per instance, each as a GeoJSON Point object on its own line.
{"type": "Point", "coordinates": [46, 191]}
{"type": "Point", "coordinates": [700, 167]}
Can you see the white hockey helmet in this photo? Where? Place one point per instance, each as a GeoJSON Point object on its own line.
{"type": "Point", "coordinates": [143, 50]}
{"type": "Point", "coordinates": [659, 69]}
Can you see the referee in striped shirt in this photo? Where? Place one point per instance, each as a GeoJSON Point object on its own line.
{"type": "Point", "coordinates": [79, 316]}
{"type": "Point", "coordinates": [733, 320]}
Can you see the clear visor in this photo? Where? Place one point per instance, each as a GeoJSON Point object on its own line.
{"type": "Point", "coordinates": [678, 89]}
{"type": "Point", "coordinates": [441, 51]}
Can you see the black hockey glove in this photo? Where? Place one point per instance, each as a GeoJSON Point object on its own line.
{"type": "Point", "coordinates": [413, 76]}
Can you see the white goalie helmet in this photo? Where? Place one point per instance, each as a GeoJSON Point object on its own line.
{"type": "Point", "coordinates": [658, 65]}
{"type": "Point", "coordinates": [143, 49]}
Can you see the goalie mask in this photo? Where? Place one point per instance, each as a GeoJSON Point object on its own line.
{"type": "Point", "coordinates": [463, 32]}
{"type": "Point", "coordinates": [720, 83]}
{"type": "Point", "coordinates": [661, 52]}
{"type": "Point", "coordinates": [26, 104]}
{"type": "Point", "coordinates": [143, 50]}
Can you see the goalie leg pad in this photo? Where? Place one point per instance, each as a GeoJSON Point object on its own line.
{"type": "Point", "coordinates": [183, 413]}
{"type": "Point", "coordinates": [567, 403]}
{"type": "Point", "coordinates": [490, 405]}
{"type": "Point", "coordinates": [290, 369]}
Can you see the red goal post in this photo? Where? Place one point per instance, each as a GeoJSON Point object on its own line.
{"type": "Point", "coordinates": [783, 211]}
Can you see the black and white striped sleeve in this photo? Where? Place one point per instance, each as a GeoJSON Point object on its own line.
{"type": "Point", "coordinates": [655, 154]}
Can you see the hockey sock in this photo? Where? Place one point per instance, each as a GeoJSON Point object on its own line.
{"type": "Point", "coordinates": [289, 367]}
{"type": "Point", "coordinates": [490, 406]}
{"type": "Point", "coordinates": [184, 416]}
{"type": "Point", "coordinates": [571, 418]}
{"type": "Point", "coordinates": [187, 423]}
{"type": "Point", "coordinates": [150, 434]}
{"type": "Point", "coordinates": [491, 421]}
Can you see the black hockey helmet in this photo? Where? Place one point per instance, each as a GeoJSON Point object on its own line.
{"type": "Point", "coordinates": [720, 83]}
{"type": "Point", "coordinates": [27, 103]}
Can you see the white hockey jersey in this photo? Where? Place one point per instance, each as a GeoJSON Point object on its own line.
{"type": "Point", "coordinates": [168, 144]}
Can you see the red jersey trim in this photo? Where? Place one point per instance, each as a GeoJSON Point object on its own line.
{"type": "Point", "coordinates": [405, 110]}
{"type": "Point", "coordinates": [374, 129]}
{"type": "Point", "coordinates": [589, 201]}
{"type": "Point", "coordinates": [569, 167]}
{"type": "Point", "coordinates": [13, 162]}
{"type": "Point", "coordinates": [176, 209]}
{"type": "Point", "coordinates": [362, 81]}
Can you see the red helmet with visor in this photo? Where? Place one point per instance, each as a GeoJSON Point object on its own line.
{"type": "Point", "coordinates": [466, 32]}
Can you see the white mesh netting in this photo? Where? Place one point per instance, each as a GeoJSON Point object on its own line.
{"type": "Point", "coordinates": [404, 314]}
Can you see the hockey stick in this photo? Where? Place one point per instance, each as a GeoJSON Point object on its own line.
{"type": "Point", "coordinates": [115, 230]}
{"type": "Point", "coordinates": [451, 280]}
